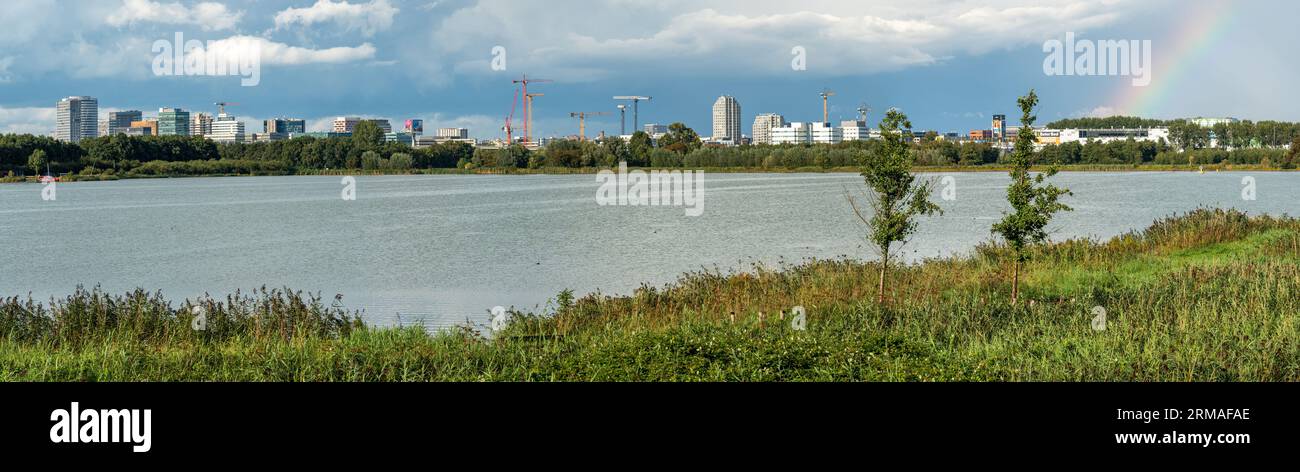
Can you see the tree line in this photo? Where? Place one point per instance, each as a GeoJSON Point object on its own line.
{"type": "Point", "coordinates": [366, 149]}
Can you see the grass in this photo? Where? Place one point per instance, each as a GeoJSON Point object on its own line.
{"type": "Point", "coordinates": [1213, 295]}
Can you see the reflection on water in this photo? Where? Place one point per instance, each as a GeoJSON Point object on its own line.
{"type": "Point", "coordinates": [440, 250]}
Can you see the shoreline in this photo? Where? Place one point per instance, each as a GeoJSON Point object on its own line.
{"type": "Point", "coordinates": [1178, 296]}
{"type": "Point", "coordinates": [1073, 168]}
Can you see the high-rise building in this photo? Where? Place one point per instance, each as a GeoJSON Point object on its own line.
{"type": "Point", "coordinates": [119, 121]}
{"type": "Point", "coordinates": [345, 124]}
{"type": "Point", "coordinates": [1000, 127]}
{"type": "Point", "coordinates": [173, 122]}
{"type": "Point", "coordinates": [200, 124]}
{"type": "Point", "coordinates": [763, 125]}
{"type": "Point", "coordinates": [726, 120]}
{"type": "Point", "coordinates": [824, 133]}
{"type": "Point", "coordinates": [76, 118]}
{"type": "Point", "coordinates": [226, 129]}
{"type": "Point", "coordinates": [792, 133]}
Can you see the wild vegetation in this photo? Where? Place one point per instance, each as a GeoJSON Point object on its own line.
{"type": "Point", "coordinates": [1209, 296]}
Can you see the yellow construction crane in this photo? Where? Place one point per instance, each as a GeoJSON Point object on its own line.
{"type": "Point", "coordinates": [825, 94]}
{"type": "Point", "coordinates": [528, 115]}
{"type": "Point", "coordinates": [582, 121]}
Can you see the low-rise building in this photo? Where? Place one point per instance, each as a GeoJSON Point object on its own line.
{"type": "Point", "coordinates": [825, 133]}
{"type": "Point", "coordinates": [1085, 136]}
{"type": "Point", "coordinates": [792, 133]}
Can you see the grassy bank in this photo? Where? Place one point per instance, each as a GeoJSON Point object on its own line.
{"type": "Point", "coordinates": [1209, 296]}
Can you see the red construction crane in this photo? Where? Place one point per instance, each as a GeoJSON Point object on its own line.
{"type": "Point", "coordinates": [510, 138]}
{"type": "Point", "coordinates": [528, 121]}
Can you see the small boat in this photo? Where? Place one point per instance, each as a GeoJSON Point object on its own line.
{"type": "Point", "coordinates": [48, 178]}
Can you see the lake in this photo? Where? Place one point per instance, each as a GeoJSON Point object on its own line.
{"type": "Point", "coordinates": [440, 250]}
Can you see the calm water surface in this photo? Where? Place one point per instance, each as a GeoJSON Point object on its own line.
{"type": "Point", "coordinates": [440, 250]}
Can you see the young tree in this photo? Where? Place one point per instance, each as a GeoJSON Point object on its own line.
{"type": "Point", "coordinates": [1033, 202]}
{"type": "Point", "coordinates": [367, 135]}
{"type": "Point", "coordinates": [896, 196]}
{"type": "Point", "coordinates": [37, 161]}
{"type": "Point", "coordinates": [680, 139]}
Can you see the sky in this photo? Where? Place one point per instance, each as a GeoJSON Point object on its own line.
{"type": "Point", "coordinates": [949, 65]}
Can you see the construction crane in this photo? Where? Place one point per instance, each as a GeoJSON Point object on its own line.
{"type": "Point", "coordinates": [825, 94]}
{"type": "Point", "coordinates": [635, 99]}
{"type": "Point", "coordinates": [510, 138]}
{"type": "Point", "coordinates": [528, 122]}
{"type": "Point", "coordinates": [528, 107]}
{"type": "Point", "coordinates": [622, 120]}
{"type": "Point", "coordinates": [862, 112]}
{"type": "Point", "coordinates": [221, 107]}
{"type": "Point", "coordinates": [582, 121]}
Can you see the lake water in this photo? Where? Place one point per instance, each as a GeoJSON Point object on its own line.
{"type": "Point", "coordinates": [440, 250]}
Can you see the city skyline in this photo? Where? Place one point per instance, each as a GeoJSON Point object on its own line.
{"type": "Point", "coordinates": [327, 59]}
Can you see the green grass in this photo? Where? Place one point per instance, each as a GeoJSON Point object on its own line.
{"type": "Point", "coordinates": [1209, 296]}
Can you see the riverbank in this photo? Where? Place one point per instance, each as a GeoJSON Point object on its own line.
{"type": "Point", "coordinates": [717, 170]}
{"type": "Point", "coordinates": [1210, 296]}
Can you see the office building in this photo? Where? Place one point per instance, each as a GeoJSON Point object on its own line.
{"type": "Point", "coordinates": [763, 125]}
{"type": "Point", "coordinates": [143, 128]}
{"type": "Point", "coordinates": [824, 133]}
{"type": "Point", "coordinates": [1210, 122]}
{"type": "Point", "coordinates": [173, 122]}
{"type": "Point", "coordinates": [726, 120]}
{"type": "Point", "coordinates": [345, 124]}
{"type": "Point", "coordinates": [1085, 136]}
{"type": "Point", "coordinates": [981, 135]}
{"type": "Point", "coordinates": [855, 130]}
{"type": "Point", "coordinates": [200, 124]}
{"type": "Point", "coordinates": [281, 128]}
{"type": "Point", "coordinates": [226, 129]}
{"type": "Point", "coordinates": [119, 121]}
{"type": "Point", "coordinates": [792, 133]}
{"type": "Point", "coordinates": [382, 124]}
{"type": "Point", "coordinates": [655, 130]}
{"type": "Point", "coordinates": [403, 137]}
{"type": "Point", "coordinates": [76, 118]}
{"type": "Point", "coordinates": [999, 127]}
{"type": "Point", "coordinates": [451, 133]}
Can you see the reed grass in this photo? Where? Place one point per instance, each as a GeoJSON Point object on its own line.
{"type": "Point", "coordinates": [1213, 295]}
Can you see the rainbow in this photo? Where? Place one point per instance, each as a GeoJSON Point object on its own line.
{"type": "Point", "coordinates": [1173, 58]}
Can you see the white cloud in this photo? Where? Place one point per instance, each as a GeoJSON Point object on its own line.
{"type": "Point", "coordinates": [573, 41]}
{"type": "Point", "coordinates": [276, 53]}
{"type": "Point", "coordinates": [369, 18]}
{"type": "Point", "coordinates": [1096, 112]}
{"type": "Point", "coordinates": [210, 16]}
{"type": "Point", "coordinates": [24, 120]}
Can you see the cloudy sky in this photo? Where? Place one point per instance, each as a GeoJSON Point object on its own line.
{"type": "Point", "coordinates": [949, 64]}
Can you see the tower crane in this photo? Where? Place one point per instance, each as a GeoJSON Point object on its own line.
{"type": "Point", "coordinates": [825, 94]}
{"type": "Point", "coordinates": [635, 99]}
{"type": "Point", "coordinates": [528, 122]}
{"type": "Point", "coordinates": [582, 121]}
